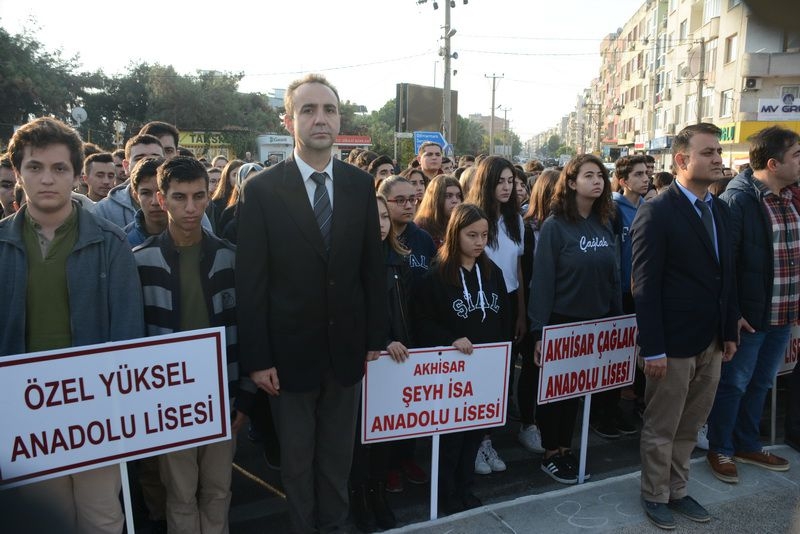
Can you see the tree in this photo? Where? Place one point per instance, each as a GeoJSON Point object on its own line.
{"type": "Point", "coordinates": [470, 137]}
{"type": "Point", "coordinates": [553, 143]}
{"type": "Point", "coordinates": [33, 81]}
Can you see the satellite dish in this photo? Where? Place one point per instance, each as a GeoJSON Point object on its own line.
{"type": "Point", "coordinates": [79, 114]}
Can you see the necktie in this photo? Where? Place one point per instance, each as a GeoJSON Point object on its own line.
{"type": "Point", "coordinates": [705, 216]}
{"type": "Point", "coordinates": [322, 208]}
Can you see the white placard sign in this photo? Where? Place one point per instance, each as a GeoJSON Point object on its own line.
{"type": "Point", "coordinates": [792, 351]}
{"type": "Point", "coordinates": [435, 391]}
{"type": "Point", "coordinates": [587, 357]}
{"type": "Point", "coordinates": [74, 409]}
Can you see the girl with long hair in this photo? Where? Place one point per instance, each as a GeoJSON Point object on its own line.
{"type": "Point", "coordinates": [493, 191]}
{"type": "Point", "coordinates": [461, 278]}
{"type": "Point", "coordinates": [441, 196]}
{"type": "Point", "coordinates": [224, 191]}
{"type": "Point", "coordinates": [573, 282]}
{"type": "Point", "coordinates": [417, 179]}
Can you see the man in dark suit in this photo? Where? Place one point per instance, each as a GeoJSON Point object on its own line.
{"type": "Point", "coordinates": [687, 315]}
{"type": "Point", "coordinates": [312, 304]}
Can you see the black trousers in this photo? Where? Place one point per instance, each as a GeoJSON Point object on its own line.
{"type": "Point", "coordinates": [316, 430]}
{"type": "Point", "coordinates": [457, 453]}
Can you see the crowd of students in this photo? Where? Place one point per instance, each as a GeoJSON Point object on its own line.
{"type": "Point", "coordinates": [482, 251]}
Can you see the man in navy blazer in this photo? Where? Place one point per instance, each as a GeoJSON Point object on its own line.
{"type": "Point", "coordinates": [311, 302]}
{"type": "Point", "coordinates": [684, 289]}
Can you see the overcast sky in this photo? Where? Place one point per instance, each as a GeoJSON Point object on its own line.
{"type": "Point", "coordinates": [547, 51]}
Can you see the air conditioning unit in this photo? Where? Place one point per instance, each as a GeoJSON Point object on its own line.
{"type": "Point", "coordinates": [751, 84]}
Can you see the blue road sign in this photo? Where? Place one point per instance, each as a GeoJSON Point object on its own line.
{"type": "Point", "coordinates": [422, 137]}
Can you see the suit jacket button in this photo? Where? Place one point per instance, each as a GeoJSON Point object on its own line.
{"type": "Point", "coordinates": [331, 283]}
{"type": "Point", "coordinates": [331, 322]}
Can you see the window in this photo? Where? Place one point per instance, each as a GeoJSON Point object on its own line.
{"type": "Point", "coordinates": [691, 109]}
{"type": "Point", "coordinates": [793, 90]}
{"type": "Point", "coordinates": [678, 114]}
{"type": "Point", "coordinates": [726, 103]}
{"type": "Point", "coordinates": [711, 9]}
{"type": "Point", "coordinates": [791, 42]}
{"type": "Point", "coordinates": [708, 102]}
{"type": "Point", "coordinates": [711, 56]}
{"type": "Point", "coordinates": [731, 48]}
{"type": "Point", "coordinates": [683, 30]}
{"type": "Point", "coordinates": [733, 3]}
{"type": "Point", "coordinates": [673, 4]}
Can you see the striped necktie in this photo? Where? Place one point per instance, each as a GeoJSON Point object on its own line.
{"type": "Point", "coordinates": [322, 207]}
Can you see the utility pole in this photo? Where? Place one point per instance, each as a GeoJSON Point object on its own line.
{"type": "Point", "coordinates": [505, 131]}
{"type": "Point", "coordinates": [494, 78]}
{"type": "Point", "coordinates": [700, 79]}
{"type": "Point", "coordinates": [446, 104]}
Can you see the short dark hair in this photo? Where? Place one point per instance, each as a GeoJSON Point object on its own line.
{"type": "Point", "coordinates": [365, 158]}
{"type": "Point", "coordinates": [141, 139]}
{"type": "Point", "coordinates": [662, 179]}
{"type": "Point", "coordinates": [426, 144]}
{"type": "Point", "coordinates": [377, 162]}
{"type": "Point", "coordinates": [97, 157]}
{"type": "Point", "coordinates": [770, 143]}
{"type": "Point", "coordinates": [119, 153]}
{"type": "Point", "coordinates": [43, 132]}
{"type": "Point", "coordinates": [185, 152]}
{"type": "Point", "coordinates": [681, 141]}
{"type": "Point", "coordinates": [160, 129]}
{"type": "Point", "coordinates": [180, 169]}
{"type": "Point", "coordinates": [145, 168]}
{"type": "Point", "coordinates": [5, 161]}
{"type": "Point", "coordinates": [90, 148]}
{"type": "Point", "coordinates": [624, 165]}
{"type": "Point", "coordinates": [288, 98]}
{"type": "Point", "coordinates": [649, 159]}
{"type": "Point", "coordinates": [466, 158]}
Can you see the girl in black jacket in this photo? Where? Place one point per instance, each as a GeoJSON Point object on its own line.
{"type": "Point", "coordinates": [462, 300]}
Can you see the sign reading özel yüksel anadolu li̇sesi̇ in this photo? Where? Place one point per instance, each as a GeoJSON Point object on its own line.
{"type": "Point", "coordinates": [74, 409]}
{"type": "Point", "coordinates": [435, 391]}
{"type": "Point", "coordinates": [587, 357]}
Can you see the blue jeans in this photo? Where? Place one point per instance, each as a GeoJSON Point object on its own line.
{"type": "Point", "coordinates": [734, 419]}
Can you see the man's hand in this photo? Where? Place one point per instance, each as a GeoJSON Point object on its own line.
{"type": "Point", "coordinates": [238, 422]}
{"type": "Point", "coordinates": [520, 328]}
{"type": "Point", "coordinates": [537, 353]}
{"type": "Point", "coordinates": [728, 350]}
{"type": "Point", "coordinates": [742, 325]}
{"type": "Point", "coordinates": [267, 379]}
{"type": "Point", "coordinates": [397, 351]}
{"type": "Point", "coordinates": [655, 368]}
{"type": "Point", "coordinates": [373, 355]}
{"type": "Point", "coordinates": [463, 345]}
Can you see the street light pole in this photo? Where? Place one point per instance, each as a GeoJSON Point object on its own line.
{"type": "Point", "coordinates": [446, 91]}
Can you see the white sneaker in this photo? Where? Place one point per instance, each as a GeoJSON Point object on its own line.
{"type": "Point", "coordinates": [481, 465]}
{"type": "Point", "coordinates": [531, 438]}
{"type": "Point", "coordinates": [702, 437]}
{"type": "Point", "coordinates": [491, 456]}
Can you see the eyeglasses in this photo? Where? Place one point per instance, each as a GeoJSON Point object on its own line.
{"type": "Point", "coordinates": [402, 201]}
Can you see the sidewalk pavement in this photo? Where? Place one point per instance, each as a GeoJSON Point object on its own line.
{"type": "Point", "coordinates": [762, 502]}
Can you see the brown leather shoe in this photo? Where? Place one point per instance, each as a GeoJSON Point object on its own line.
{"type": "Point", "coordinates": [764, 459]}
{"type": "Point", "coordinates": [722, 467]}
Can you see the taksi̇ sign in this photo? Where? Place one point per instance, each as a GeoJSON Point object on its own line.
{"type": "Point", "coordinates": [70, 410]}
{"type": "Point", "coordinates": [435, 391]}
{"type": "Point", "coordinates": [587, 357]}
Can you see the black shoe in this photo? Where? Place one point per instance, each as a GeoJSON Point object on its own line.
{"type": "Point", "coordinates": [690, 508]}
{"type": "Point", "coordinates": [659, 514]}
{"type": "Point", "coordinates": [273, 458]}
{"type": "Point", "coordinates": [559, 470]}
{"type": "Point", "coordinates": [605, 429]}
{"type": "Point", "coordinates": [624, 425]}
{"type": "Point", "coordinates": [384, 516]}
{"type": "Point", "coordinates": [361, 509]}
{"type": "Point", "coordinates": [471, 501]}
{"type": "Point", "coordinates": [450, 505]}
{"type": "Point", "coordinates": [793, 442]}
{"type": "Point", "coordinates": [573, 462]}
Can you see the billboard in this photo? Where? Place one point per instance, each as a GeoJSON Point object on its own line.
{"type": "Point", "coordinates": [419, 108]}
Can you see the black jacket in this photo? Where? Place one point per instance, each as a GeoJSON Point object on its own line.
{"type": "Point", "coordinates": [751, 237]}
{"type": "Point", "coordinates": [398, 284]}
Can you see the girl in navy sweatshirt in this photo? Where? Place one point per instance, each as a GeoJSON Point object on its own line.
{"type": "Point", "coordinates": [462, 300]}
{"type": "Point", "coordinates": [576, 279]}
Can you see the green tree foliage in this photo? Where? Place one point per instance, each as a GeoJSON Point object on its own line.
{"type": "Point", "coordinates": [470, 137]}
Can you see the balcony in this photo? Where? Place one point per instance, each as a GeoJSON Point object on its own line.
{"type": "Point", "coordinates": [710, 29]}
{"type": "Point", "coordinates": [771, 64]}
